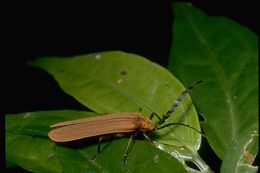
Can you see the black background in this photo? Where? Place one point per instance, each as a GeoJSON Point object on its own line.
{"type": "Point", "coordinates": [36, 30]}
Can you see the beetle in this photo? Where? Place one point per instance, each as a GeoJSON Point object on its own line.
{"type": "Point", "coordinates": [116, 124]}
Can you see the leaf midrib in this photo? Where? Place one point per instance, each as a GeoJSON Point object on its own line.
{"type": "Point", "coordinates": [219, 73]}
{"type": "Point", "coordinates": [116, 89]}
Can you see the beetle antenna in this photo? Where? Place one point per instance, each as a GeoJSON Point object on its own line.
{"type": "Point", "coordinates": [177, 102]}
{"type": "Point", "coordinates": [181, 124]}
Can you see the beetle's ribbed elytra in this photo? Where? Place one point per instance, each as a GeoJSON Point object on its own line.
{"type": "Point", "coordinates": [126, 122]}
{"type": "Point", "coordinates": [117, 123]}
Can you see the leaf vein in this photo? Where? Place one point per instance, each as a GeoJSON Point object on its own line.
{"type": "Point", "coordinates": [219, 72]}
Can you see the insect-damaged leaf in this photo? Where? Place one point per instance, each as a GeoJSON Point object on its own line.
{"type": "Point", "coordinates": [241, 154]}
{"type": "Point", "coordinates": [115, 81]}
{"type": "Point", "coordinates": [28, 146]}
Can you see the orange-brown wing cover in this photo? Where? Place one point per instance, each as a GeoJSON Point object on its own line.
{"type": "Point", "coordinates": [94, 126]}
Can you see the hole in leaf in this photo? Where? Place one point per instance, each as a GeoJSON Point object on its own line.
{"type": "Point", "coordinates": [202, 118]}
{"type": "Point", "coordinates": [192, 165]}
{"type": "Point", "coordinates": [256, 161]}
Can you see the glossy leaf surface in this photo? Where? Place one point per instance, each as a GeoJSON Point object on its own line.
{"type": "Point", "coordinates": [115, 81]}
{"type": "Point", "coordinates": [28, 146]}
{"type": "Point", "coordinates": [223, 54]}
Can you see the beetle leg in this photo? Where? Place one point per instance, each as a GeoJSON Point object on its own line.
{"type": "Point", "coordinates": [98, 149]}
{"type": "Point", "coordinates": [148, 138]}
{"type": "Point", "coordinates": [154, 114]}
{"type": "Point", "coordinates": [129, 144]}
{"type": "Point", "coordinates": [99, 143]}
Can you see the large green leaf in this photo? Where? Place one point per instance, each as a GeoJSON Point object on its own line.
{"type": "Point", "coordinates": [223, 54]}
{"type": "Point", "coordinates": [119, 82]}
{"type": "Point", "coordinates": [28, 146]}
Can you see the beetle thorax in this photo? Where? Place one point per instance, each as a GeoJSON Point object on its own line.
{"type": "Point", "coordinates": [146, 125]}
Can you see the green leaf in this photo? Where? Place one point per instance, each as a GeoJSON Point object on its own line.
{"type": "Point", "coordinates": [115, 81]}
{"type": "Point", "coordinates": [119, 82]}
{"type": "Point", "coordinates": [223, 54]}
{"type": "Point", "coordinates": [30, 148]}
{"type": "Point", "coordinates": [241, 154]}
